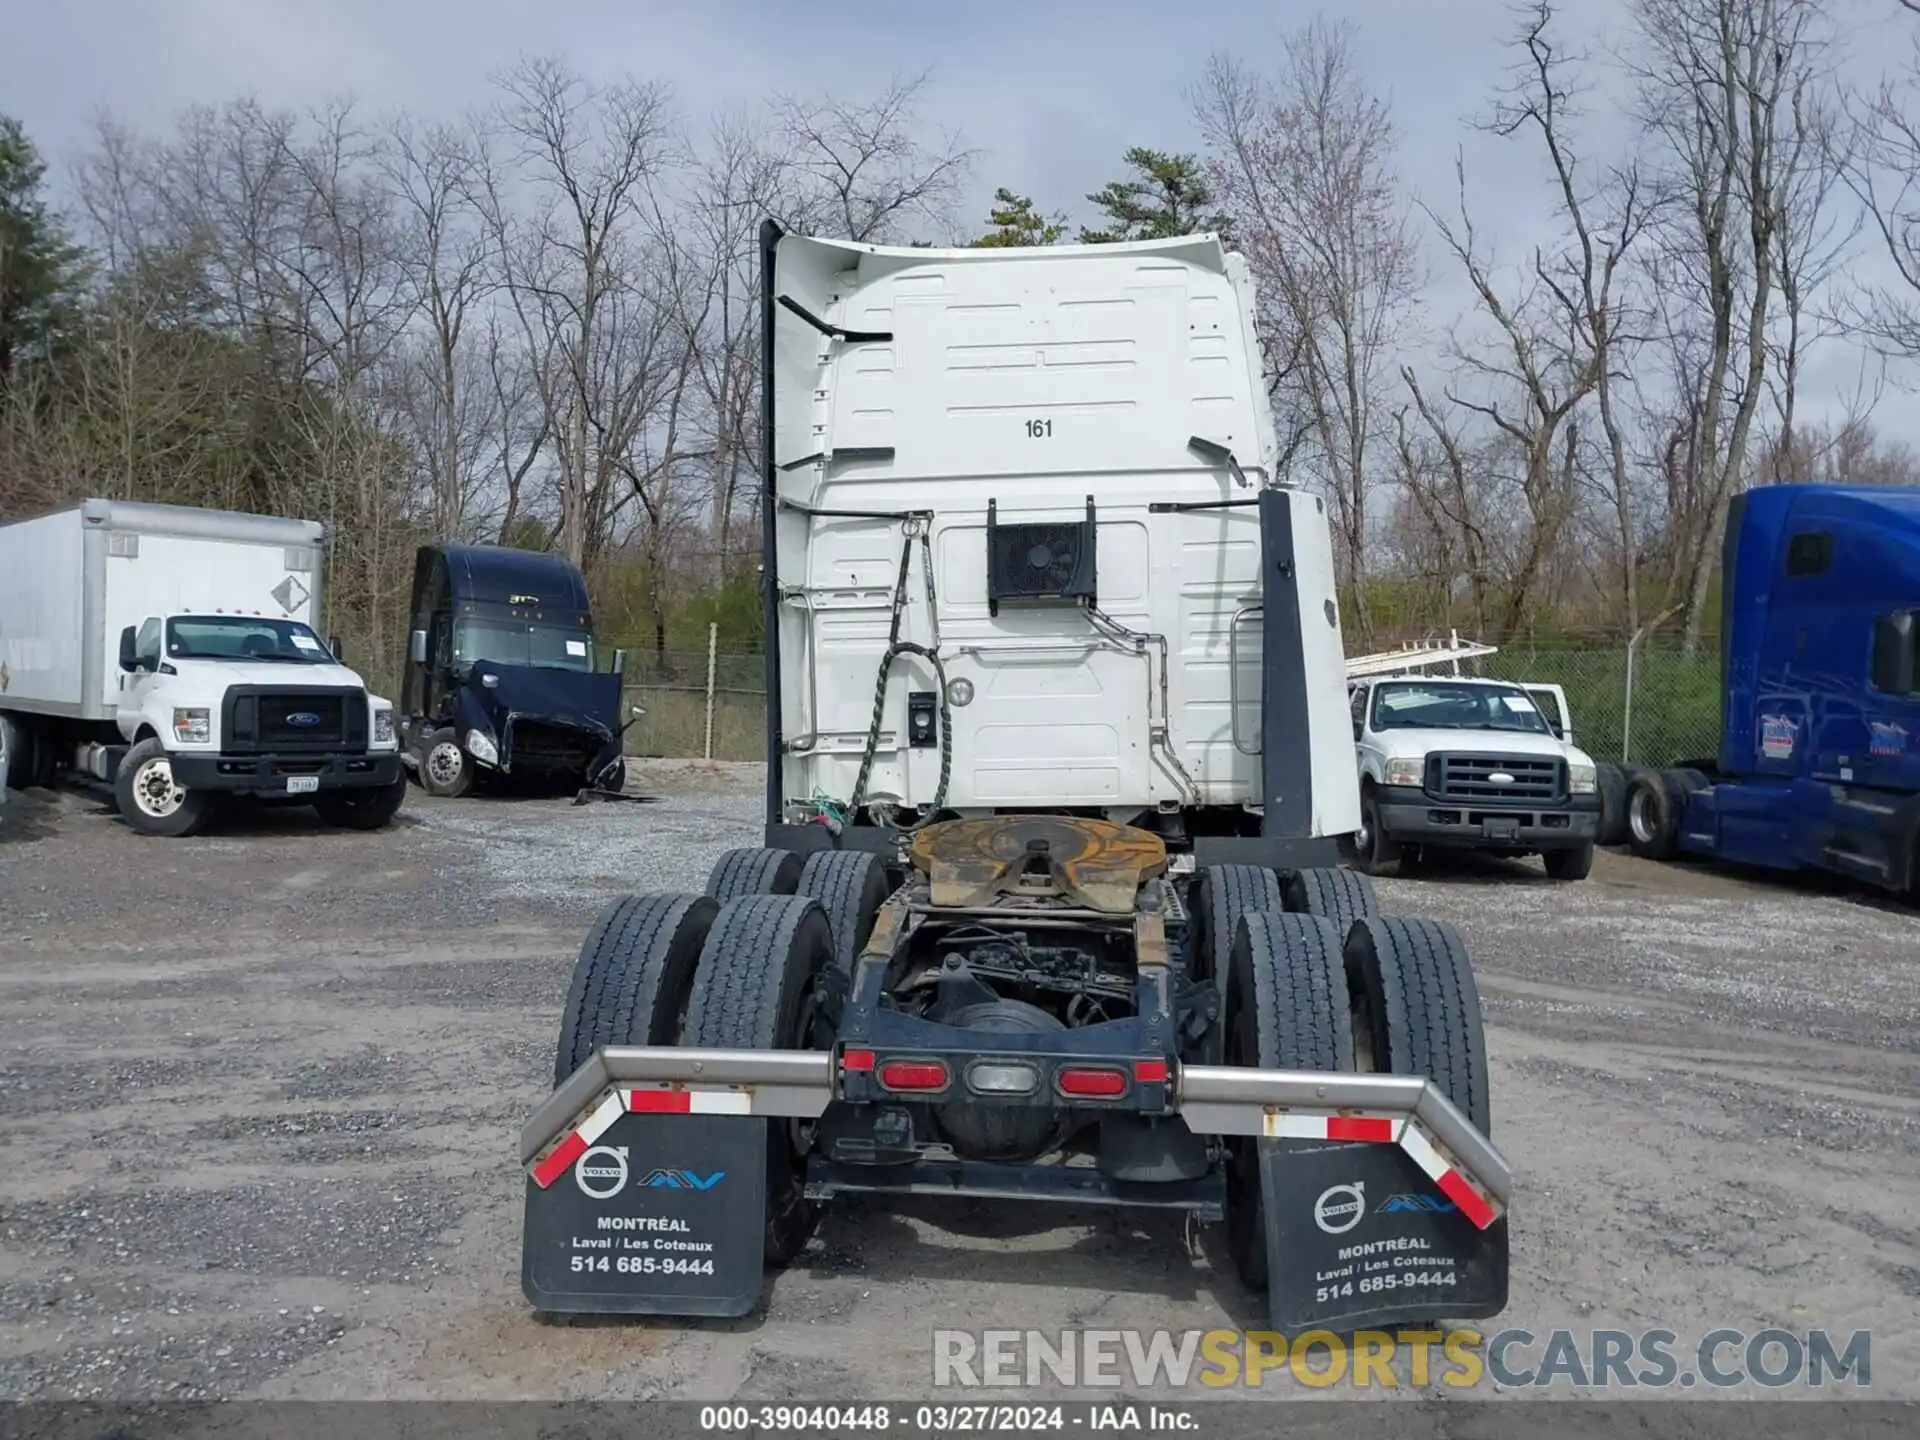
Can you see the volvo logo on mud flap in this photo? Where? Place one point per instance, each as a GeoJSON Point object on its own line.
{"type": "Point", "coordinates": [601, 1173]}
{"type": "Point", "coordinates": [1340, 1208]}
{"type": "Point", "coordinates": [1416, 1204]}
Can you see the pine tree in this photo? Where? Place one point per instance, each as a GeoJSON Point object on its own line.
{"type": "Point", "coordinates": [1169, 196]}
{"type": "Point", "coordinates": [40, 272]}
{"type": "Point", "coordinates": [1015, 222]}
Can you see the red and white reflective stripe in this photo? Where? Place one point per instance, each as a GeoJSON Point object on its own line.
{"type": "Point", "coordinates": [662, 1100]}
{"type": "Point", "coordinates": [574, 1143]}
{"type": "Point", "coordinates": [646, 1100]}
{"type": "Point", "coordinates": [1455, 1186]}
{"type": "Point", "coordinates": [1291, 1125]}
{"type": "Point", "coordinates": [1386, 1130]}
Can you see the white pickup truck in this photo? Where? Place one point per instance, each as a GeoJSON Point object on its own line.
{"type": "Point", "coordinates": [1456, 763]}
{"type": "Point", "coordinates": [172, 651]}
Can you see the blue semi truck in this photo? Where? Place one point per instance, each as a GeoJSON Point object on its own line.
{"type": "Point", "coordinates": [1819, 763]}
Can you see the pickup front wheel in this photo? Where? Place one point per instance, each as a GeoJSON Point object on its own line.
{"type": "Point", "coordinates": [1368, 849]}
{"type": "Point", "coordinates": [151, 800]}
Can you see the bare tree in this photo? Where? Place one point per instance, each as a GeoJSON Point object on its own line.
{"type": "Point", "coordinates": [1305, 166]}
{"type": "Point", "coordinates": [447, 274]}
{"type": "Point", "coordinates": [1717, 83]}
{"type": "Point", "coordinates": [863, 172]}
{"type": "Point", "coordinates": [572, 272]}
{"type": "Point", "coordinates": [1880, 165]}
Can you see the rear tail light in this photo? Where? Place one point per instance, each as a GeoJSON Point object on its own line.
{"type": "Point", "coordinates": [1003, 1079]}
{"type": "Point", "coordinates": [1092, 1084]}
{"type": "Point", "coordinates": [913, 1075]}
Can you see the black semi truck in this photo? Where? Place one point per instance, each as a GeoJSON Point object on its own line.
{"type": "Point", "coordinates": [503, 679]}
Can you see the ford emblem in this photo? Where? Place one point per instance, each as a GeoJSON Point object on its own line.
{"type": "Point", "coordinates": [305, 719]}
{"type": "Point", "coordinates": [1499, 777]}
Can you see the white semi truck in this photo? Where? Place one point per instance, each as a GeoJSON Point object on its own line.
{"type": "Point", "coordinates": [1047, 904]}
{"type": "Point", "coordinates": [173, 652]}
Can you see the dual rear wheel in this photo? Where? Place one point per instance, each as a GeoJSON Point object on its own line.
{"type": "Point", "coordinates": [741, 967]}
{"type": "Point", "coordinates": [1335, 988]}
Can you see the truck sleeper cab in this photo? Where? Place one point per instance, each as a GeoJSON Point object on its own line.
{"type": "Point", "coordinates": [1819, 758]}
{"type": "Point", "coordinates": [502, 675]}
{"type": "Point", "coordinates": [1046, 905]}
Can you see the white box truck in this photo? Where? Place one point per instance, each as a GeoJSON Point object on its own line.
{"type": "Point", "coordinates": [173, 652]}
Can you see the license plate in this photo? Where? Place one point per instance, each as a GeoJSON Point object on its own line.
{"type": "Point", "coordinates": [302, 784]}
{"type": "Point", "coordinates": [1501, 829]}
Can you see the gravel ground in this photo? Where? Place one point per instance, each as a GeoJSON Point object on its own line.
{"type": "Point", "coordinates": [259, 1094]}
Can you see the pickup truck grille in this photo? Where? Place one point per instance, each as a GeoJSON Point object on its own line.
{"type": "Point", "coordinates": [286, 719]}
{"type": "Point", "coordinates": [1470, 777]}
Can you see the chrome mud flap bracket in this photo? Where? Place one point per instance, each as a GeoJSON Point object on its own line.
{"type": "Point", "coordinates": [1383, 1206]}
{"type": "Point", "coordinates": [646, 1180]}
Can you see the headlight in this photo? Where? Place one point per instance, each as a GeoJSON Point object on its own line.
{"type": "Point", "coordinates": [480, 746]}
{"type": "Point", "coordinates": [192, 727]}
{"type": "Point", "coordinates": [1405, 772]}
{"type": "Point", "coordinates": [383, 727]}
{"type": "Point", "coordinates": [1580, 779]}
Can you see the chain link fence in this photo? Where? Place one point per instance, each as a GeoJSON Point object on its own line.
{"type": "Point", "coordinates": [1658, 709]}
{"type": "Point", "coordinates": [1674, 712]}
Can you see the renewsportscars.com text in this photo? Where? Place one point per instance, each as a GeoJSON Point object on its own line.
{"type": "Point", "coordinates": [1581, 1359]}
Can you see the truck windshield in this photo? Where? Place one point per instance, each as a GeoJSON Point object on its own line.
{"type": "Point", "coordinates": [244, 637]}
{"type": "Point", "coordinates": [1411, 705]}
{"type": "Point", "coordinates": [513, 642]}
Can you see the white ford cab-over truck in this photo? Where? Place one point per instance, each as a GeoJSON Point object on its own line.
{"type": "Point", "coordinates": [1449, 762]}
{"type": "Point", "coordinates": [172, 651]}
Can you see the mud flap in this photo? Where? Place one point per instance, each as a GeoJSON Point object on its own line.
{"type": "Point", "coordinates": [1358, 1237]}
{"type": "Point", "coordinates": [664, 1215]}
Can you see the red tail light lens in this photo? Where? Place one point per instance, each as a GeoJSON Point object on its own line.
{"type": "Point", "coordinates": [913, 1075]}
{"type": "Point", "coordinates": [1093, 1084]}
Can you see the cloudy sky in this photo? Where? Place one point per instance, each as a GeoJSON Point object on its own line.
{"type": "Point", "coordinates": [1051, 90]}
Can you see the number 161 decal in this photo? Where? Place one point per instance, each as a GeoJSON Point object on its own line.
{"type": "Point", "coordinates": [1039, 429]}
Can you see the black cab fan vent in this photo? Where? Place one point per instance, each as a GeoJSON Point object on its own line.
{"type": "Point", "coordinates": [1043, 562]}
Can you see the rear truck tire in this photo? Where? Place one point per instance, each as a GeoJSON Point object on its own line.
{"type": "Point", "coordinates": [1221, 895]}
{"type": "Point", "coordinates": [371, 808]}
{"type": "Point", "coordinates": [755, 988]}
{"type": "Point", "coordinates": [1368, 849]}
{"type": "Point", "coordinates": [633, 976]}
{"type": "Point", "coordinates": [1611, 781]}
{"type": "Point", "coordinates": [1342, 896]}
{"type": "Point", "coordinates": [151, 801]}
{"type": "Point", "coordinates": [1288, 1009]}
{"type": "Point", "coordinates": [740, 873]}
{"type": "Point", "coordinates": [1574, 864]}
{"type": "Point", "coordinates": [1653, 816]}
{"type": "Point", "coordinates": [1416, 1009]}
{"type": "Point", "coordinates": [445, 769]}
{"type": "Point", "coordinates": [851, 886]}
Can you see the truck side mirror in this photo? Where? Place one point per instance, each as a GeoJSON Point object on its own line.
{"type": "Point", "coordinates": [1359, 729]}
{"type": "Point", "coordinates": [333, 644]}
{"type": "Point", "coordinates": [128, 641]}
{"type": "Point", "coordinates": [417, 647]}
{"type": "Point", "coordinates": [619, 662]}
